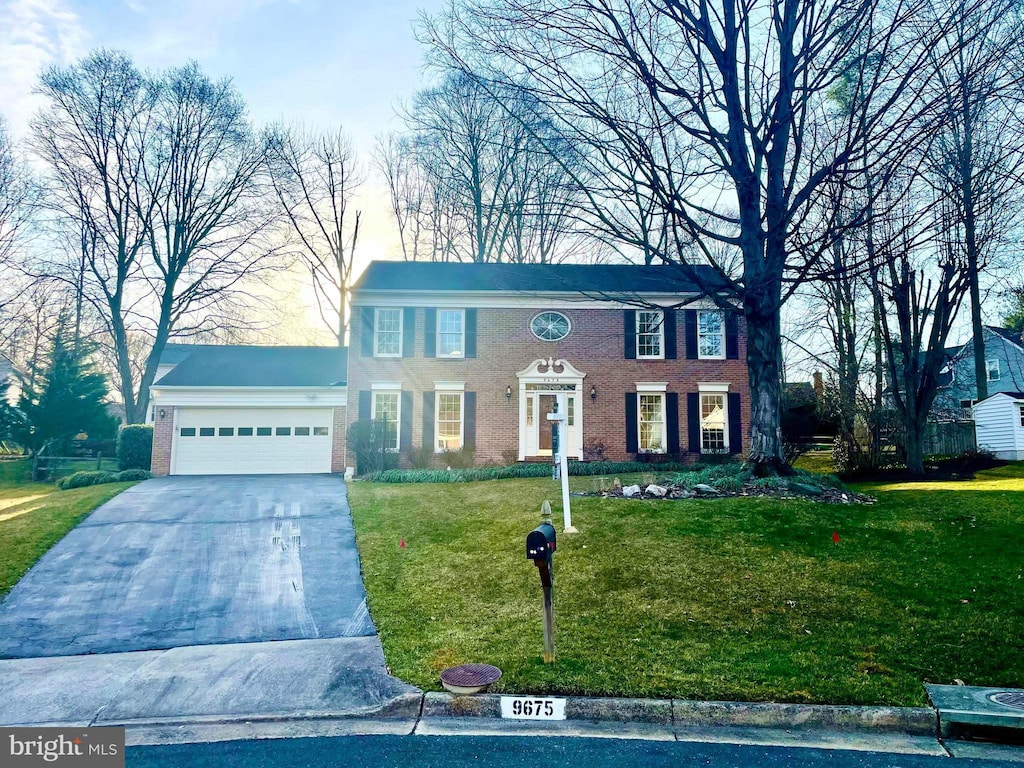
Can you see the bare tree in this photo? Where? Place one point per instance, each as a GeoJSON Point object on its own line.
{"type": "Point", "coordinates": [733, 95]}
{"type": "Point", "coordinates": [160, 175]}
{"type": "Point", "coordinates": [978, 154]}
{"type": "Point", "coordinates": [315, 177]}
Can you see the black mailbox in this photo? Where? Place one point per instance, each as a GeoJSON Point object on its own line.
{"type": "Point", "coordinates": [540, 542]}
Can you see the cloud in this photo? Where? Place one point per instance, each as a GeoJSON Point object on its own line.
{"type": "Point", "coordinates": [35, 34]}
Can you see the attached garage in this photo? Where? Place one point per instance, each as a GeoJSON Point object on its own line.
{"type": "Point", "coordinates": [252, 441]}
{"type": "Point", "coordinates": [251, 410]}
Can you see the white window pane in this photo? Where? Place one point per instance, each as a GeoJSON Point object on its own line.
{"type": "Point", "coordinates": [712, 422]}
{"type": "Point", "coordinates": [385, 412]}
{"type": "Point", "coordinates": [449, 421]}
{"type": "Point", "coordinates": [388, 332]}
{"type": "Point", "coordinates": [652, 423]}
{"type": "Point", "coordinates": [450, 333]}
{"type": "Point", "coordinates": [710, 334]}
{"type": "Point", "coordinates": [648, 333]}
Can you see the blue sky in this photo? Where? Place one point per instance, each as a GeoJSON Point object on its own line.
{"type": "Point", "coordinates": [325, 62]}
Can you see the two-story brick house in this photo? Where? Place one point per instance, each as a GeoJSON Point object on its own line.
{"type": "Point", "coordinates": [455, 356]}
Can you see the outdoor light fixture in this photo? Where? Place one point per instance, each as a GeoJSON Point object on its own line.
{"type": "Point", "coordinates": [508, 393]}
{"type": "Point", "coordinates": [593, 392]}
{"type": "Point", "coordinates": [163, 414]}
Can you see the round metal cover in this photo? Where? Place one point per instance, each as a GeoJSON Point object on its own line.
{"type": "Point", "coordinates": [1013, 699]}
{"type": "Point", "coordinates": [470, 675]}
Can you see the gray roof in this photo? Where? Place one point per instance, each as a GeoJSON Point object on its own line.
{"type": "Point", "coordinates": [251, 366]}
{"type": "Point", "coordinates": [174, 353]}
{"type": "Point", "coordinates": [1010, 335]}
{"type": "Point", "coordinates": [530, 278]}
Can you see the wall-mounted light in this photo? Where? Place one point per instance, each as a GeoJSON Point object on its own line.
{"type": "Point", "coordinates": [593, 392]}
{"type": "Point", "coordinates": [163, 414]}
{"type": "Point", "coordinates": [508, 393]}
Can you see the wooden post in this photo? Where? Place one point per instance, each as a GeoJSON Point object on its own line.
{"type": "Point", "coordinates": [547, 580]}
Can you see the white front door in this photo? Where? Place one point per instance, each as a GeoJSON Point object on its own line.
{"type": "Point", "coordinates": [252, 441]}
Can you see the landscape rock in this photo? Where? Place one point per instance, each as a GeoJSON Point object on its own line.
{"type": "Point", "coordinates": [630, 491]}
{"type": "Point", "coordinates": [703, 488]}
{"type": "Point", "coordinates": [656, 490]}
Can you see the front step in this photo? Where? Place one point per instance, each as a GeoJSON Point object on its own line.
{"type": "Point", "coordinates": [963, 707]}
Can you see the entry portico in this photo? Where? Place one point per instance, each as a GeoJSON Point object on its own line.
{"type": "Point", "coordinates": [541, 384]}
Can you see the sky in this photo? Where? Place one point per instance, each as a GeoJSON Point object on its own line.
{"type": "Point", "coordinates": [328, 63]}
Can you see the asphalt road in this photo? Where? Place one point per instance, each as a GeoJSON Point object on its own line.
{"type": "Point", "coordinates": [515, 752]}
{"type": "Point", "coordinates": [184, 561]}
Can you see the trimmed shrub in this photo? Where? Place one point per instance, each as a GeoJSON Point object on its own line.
{"type": "Point", "coordinates": [130, 475]}
{"type": "Point", "coordinates": [135, 446]}
{"type": "Point", "coordinates": [85, 479]}
{"type": "Point", "coordinates": [576, 468]}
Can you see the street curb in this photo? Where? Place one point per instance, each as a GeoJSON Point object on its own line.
{"type": "Point", "coordinates": [912, 721]}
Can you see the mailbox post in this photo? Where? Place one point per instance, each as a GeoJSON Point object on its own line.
{"type": "Point", "coordinates": [540, 546]}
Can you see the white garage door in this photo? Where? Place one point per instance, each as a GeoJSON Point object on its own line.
{"type": "Point", "coordinates": [252, 441]}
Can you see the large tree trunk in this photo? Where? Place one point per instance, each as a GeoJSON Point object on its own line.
{"type": "Point", "coordinates": [915, 446]}
{"type": "Point", "coordinates": [764, 364]}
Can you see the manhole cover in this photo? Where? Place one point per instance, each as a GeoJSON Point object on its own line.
{"type": "Point", "coordinates": [469, 678]}
{"type": "Point", "coordinates": [1013, 699]}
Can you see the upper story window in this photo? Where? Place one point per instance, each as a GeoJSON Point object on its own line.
{"type": "Point", "coordinates": [550, 326]}
{"type": "Point", "coordinates": [387, 333]}
{"type": "Point", "coordinates": [711, 334]}
{"type": "Point", "coordinates": [992, 366]}
{"type": "Point", "coordinates": [451, 333]}
{"type": "Point", "coordinates": [650, 334]}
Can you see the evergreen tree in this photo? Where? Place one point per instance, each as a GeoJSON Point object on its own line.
{"type": "Point", "coordinates": [68, 397]}
{"type": "Point", "coordinates": [1014, 319]}
{"type": "Point", "coordinates": [12, 420]}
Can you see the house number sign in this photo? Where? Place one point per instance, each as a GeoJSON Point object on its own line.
{"type": "Point", "coordinates": [532, 708]}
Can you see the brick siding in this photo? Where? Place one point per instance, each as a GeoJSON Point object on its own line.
{"type": "Point", "coordinates": [163, 437]}
{"type": "Point", "coordinates": [505, 345]}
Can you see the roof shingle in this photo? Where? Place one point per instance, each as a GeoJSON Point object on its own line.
{"type": "Point", "coordinates": [252, 366]}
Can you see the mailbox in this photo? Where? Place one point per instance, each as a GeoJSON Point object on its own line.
{"type": "Point", "coordinates": [540, 542]}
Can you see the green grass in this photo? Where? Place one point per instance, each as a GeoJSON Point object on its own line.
{"type": "Point", "coordinates": [35, 516]}
{"type": "Point", "coordinates": [737, 599]}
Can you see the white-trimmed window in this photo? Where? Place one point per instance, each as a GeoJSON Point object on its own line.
{"type": "Point", "coordinates": [714, 436]}
{"type": "Point", "coordinates": [387, 332]}
{"type": "Point", "coordinates": [448, 413]}
{"type": "Point", "coordinates": [386, 407]}
{"type": "Point", "coordinates": [451, 333]}
{"type": "Point", "coordinates": [992, 367]}
{"type": "Point", "coordinates": [711, 335]}
{"type": "Point", "coordinates": [650, 327]}
{"type": "Point", "coordinates": [651, 422]}
{"type": "Point", "coordinates": [1022, 415]}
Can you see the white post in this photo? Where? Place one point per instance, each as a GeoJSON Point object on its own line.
{"type": "Point", "coordinates": [561, 424]}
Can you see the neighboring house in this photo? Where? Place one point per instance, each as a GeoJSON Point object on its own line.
{"type": "Point", "coordinates": [999, 423]}
{"type": "Point", "coordinates": [1004, 366]}
{"type": "Point", "coordinates": [250, 410]}
{"type": "Point", "coordinates": [473, 356]}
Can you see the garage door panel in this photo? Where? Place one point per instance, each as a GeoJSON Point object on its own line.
{"type": "Point", "coordinates": [220, 441]}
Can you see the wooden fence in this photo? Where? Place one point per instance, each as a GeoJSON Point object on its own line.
{"type": "Point", "coordinates": [949, 438]}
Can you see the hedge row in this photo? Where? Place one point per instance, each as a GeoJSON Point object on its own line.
{"type": "Point", "coordinates": [576, 468]}
{"type": "Point", "coordinates": [84, 479]}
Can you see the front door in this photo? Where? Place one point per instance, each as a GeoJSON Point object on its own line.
{"type": "Point", "coordinates": [547, 405]}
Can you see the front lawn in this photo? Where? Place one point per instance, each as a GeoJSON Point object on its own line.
{"type": "Point", "coordinates": [737, 599]}
{"type": "Point", "coordinates": [35, 516]}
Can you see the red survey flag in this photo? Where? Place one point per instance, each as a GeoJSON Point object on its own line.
{"type": "Point", "coordinates": [835, 536]}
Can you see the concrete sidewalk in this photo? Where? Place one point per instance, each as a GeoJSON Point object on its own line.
{"type": "Point", "coordinates": [340, 677]}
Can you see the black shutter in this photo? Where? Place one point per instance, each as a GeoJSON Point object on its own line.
{"type": "Point", "coordinates": [735, 430]}
{"type": "Point", "coordinates": [366, 329]}
{"type": "Point", "coordinates": [428, 420]}
{"type": "Point", "coordinates": [430, 332]}
{"type": "Point", "coordinates": [470, 333]}
{"type": "Point", "coordinates": [409, 332]}
{"type": "Point", "coordinates": [732, 336]}
{"type": "Point", "coordinates": [670, 335]}
{"type": "Point", "coordinates": [690, 319]}
{"type": "Point", "coordinates": [629, 332]}
{"type": "Point", "coordinates": [364, 405]}
{"type": "Point", "coordinates": [405, 438]}
{"type": "Point", "coordinates": [693, 420]}
{"type": "Point", "coordinates": [469, 420]}
{"type": "Point", "coordinates": [632, 440]}
{"type": "Point", "coordinates": [672, 421]}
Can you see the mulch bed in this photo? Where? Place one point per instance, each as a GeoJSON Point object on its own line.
{"type": "Point", "coordinates": [794, 490]}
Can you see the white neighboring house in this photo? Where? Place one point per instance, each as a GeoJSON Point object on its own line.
{"type": "Point", "coordinates": [999, 421]}
{"type": "Point", "coordinates": [234, 410]}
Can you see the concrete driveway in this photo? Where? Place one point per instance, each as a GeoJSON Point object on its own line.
{"type": "Point", "coordinates": [185, 561]}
